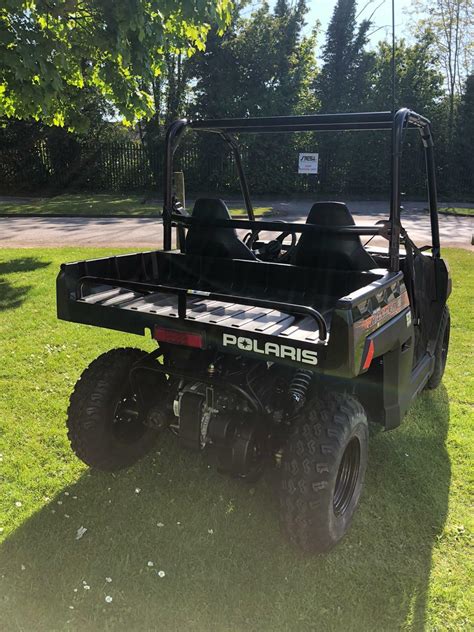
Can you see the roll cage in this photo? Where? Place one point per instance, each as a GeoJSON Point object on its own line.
{"type": "Point", "coordinates": [363, 121]}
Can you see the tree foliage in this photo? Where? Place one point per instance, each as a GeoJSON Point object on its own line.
{"type": "Point", "coordinates": [465, 133]}
{"type": "Point", "coordinates": [418, 80]}
{"type": "Point", "coordinates": [451, 23]}
{"type": "Point", "coordinates": [345, 60]}
{"type": "Point", "coordinates": [263, 65]}
{"type": "Point", "coordinates": [53, 51]}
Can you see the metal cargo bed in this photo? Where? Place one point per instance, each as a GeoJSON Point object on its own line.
{"type": "Point", "coordinates": [203, 311]}
{"type": "Point", "coordinates": [237, 306]}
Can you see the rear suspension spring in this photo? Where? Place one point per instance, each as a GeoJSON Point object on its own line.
{"type": "Point", "coordinates": [299, 386]}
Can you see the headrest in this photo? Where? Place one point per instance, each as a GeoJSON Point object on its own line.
{"type": "Point", "coordinates": [210, 208]}
{"type": "Point", "coordinates": [330, 214]}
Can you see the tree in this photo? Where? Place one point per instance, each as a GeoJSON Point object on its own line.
{"type": "Point", "coordinates": [418, 81]}
{"type": "Point", "coordinates": [51, 51]}
{"type": "Point", "coordinates": [418, 86]}
{"type": "Point", "coordinates": [264, 65]}
{"type": "Point", "coordinates": [452, 25]}
{"type": "Point", "coordinates": [345, 60]}
{"type": "Point", "coordinates": [465, 138]}
{"type": "Point", "coordinates": [261, 66]}
{"type": "Point", "coordinates": [342, 86]}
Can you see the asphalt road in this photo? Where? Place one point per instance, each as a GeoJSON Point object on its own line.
{"type": "Point", "coordinates": [144, 232]}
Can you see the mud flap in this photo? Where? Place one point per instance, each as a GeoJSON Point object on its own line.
{"type": "Point", "coordinates": [397, 393]}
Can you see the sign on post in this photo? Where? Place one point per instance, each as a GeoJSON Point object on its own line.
{"type": "Point", "coordinates": [308, 163]}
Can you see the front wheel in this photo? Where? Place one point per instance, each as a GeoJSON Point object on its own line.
{"type": "Point", "coordinates": [105, 420]}
{"type": "Point", "coordinates": [323, 470]}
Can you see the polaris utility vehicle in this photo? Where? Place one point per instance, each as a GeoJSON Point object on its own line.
{"type": "Point", "coordinates": [268, 351]}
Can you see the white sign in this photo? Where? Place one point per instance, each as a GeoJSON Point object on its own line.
{"type": "Point", "coordinates": [308, 163]}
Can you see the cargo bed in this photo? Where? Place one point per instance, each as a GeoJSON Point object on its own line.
{"type": "Point", "coordinates": [264, 303]}
{"type": "Point", "coordinates": [243, 318]}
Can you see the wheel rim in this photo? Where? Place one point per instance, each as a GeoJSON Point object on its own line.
{"type": "Point", "coordinates": [127, 426]}
{"type": "Point", "coordinates": [347, 477]}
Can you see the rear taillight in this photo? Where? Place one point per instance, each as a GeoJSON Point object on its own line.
{"type": "Point", "coordinates": [178, 337]}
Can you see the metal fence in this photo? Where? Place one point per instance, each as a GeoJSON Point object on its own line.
{"type": "Point", "coordinates": [356, 169]}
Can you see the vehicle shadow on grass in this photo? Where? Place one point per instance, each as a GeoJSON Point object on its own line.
{"type": "Point", "coordinates": [11, 295]}
{"type": "Point", "coordinates": [226, 565]}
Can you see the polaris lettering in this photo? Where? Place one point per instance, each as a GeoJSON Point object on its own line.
{"type": "Point", "coordinates": [270, 349]}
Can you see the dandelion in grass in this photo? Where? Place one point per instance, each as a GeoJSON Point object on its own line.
{"type": "Point", "coordinates": [18, 503]}
{"type": "Point", "coordinates": [150, 564]}
{"type": "Point", "coordinates": [161, 574]}
{"type": "Point", "coordinates": [108, 599]}
{"type": "Point", "coordinates": [137, 490]}
{"type": "Point", "coordinates": [160, 524]}
{"type": "Point", "coordinates": [108, 579]}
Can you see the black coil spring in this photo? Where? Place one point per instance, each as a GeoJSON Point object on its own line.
{"type": "Point", "coordinates": [299, 385]}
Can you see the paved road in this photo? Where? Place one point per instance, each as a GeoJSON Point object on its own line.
{"type": "Point", "coordinates": [145, 232]}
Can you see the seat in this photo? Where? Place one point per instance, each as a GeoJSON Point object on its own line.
{"type": "Point", "coordinates": [332, 250]}
{"type": "Point", "coordinates": [215, 241]}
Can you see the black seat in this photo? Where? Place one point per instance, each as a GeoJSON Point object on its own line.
{"type": "Point", "coordinates": [332, 250]}
{"type": "Point", "coordinates": [215, 241]}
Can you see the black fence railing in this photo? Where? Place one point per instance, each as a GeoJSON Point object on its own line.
{"type": "Point", "coordinates": [349, 167]}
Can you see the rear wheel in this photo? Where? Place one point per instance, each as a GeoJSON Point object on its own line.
{"type": "Point", "coordinates": [441, 351]}
{"type": "Point", "coordinates": [323, 469]}
{"type": "Point", "coordinates": [105, 420]}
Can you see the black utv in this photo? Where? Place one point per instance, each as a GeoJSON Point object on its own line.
{"type": "Point", "coordinates": [268, 351]}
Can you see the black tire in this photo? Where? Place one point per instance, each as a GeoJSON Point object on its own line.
{"type": "Point", "coordinates": [323, 470]}
{"type": "Point", "coordinates": [99, 434]}
{"type": "Point", "coordinates": [441, 351]}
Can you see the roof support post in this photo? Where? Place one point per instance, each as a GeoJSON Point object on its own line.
{"type": "Point", "coordinates": [232, 142]}
{"type": "Point", "coordinates": [399, 122]}
{"type": "Point", "coordinates": [173, 133]}
{"type": "Point", "coordinates": [428, 144]}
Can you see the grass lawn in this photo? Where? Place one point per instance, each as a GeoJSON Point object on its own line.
{"type": "Point", "coordinates": [98, 204]}
{"type": "Point", "coordinates": [404, 566]}
{"type": "Point", "coordinates": [457, 210]}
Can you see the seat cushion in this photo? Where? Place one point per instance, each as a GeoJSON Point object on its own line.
{"type": "Point", "coordinates": [332, 250]}
{"type": "Point", "coordinates": [215, 241]}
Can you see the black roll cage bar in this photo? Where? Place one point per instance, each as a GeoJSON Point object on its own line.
{"type": "Point", "coordinates": [364, 121]}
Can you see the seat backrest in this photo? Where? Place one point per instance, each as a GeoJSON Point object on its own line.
{"type": "Point", "coordinates": [215, 241]}
{"type": "Point", "coordinates": [332, 250]}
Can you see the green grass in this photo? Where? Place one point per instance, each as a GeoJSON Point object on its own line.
{"type": "Point", "coordinates": [98, 204]}
{"type": "Point", "coordinates": [458, 210]}
{"type": "Point", "coordinates": [405, 564]}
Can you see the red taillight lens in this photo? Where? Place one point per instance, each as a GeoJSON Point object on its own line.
{"type": "Point", "coordinates": [178, 337]}
{"type": "Point", "coordinates": [369, 356]}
